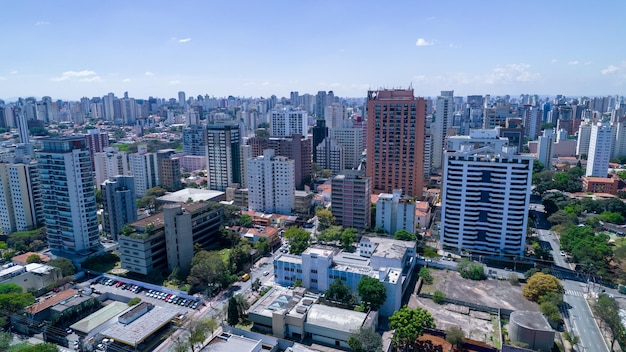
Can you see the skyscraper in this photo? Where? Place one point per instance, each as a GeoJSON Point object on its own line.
{"type": "Point", "coordinates": [443, 121]}
{"type": "Point", "coordinates": [97, 141]}
{"type": "Point", "coordinates": [194, 140]}
{"type": "Point", "coordinates": [119, 204]}
{"type": "Point", "coordinates": [109, 163]}
{"type": "Point", "coordinates": [320, 131]}
{"type": "Point", "coordinates": [600, 148]}
{"type": "Point", "coordinates": [271, 183]}
{"type": "Point", "coordinates": [20, 196]}
{"type": "Point", "coordinates": [223, 156]}
{"type": "Point", "coordinates": [287, 121]}
{"type": "Point", "coordinates": [485, 196]}
{"type": "Point", "coordinates": [69, 200]}
{"type": "Point", "coordinates": [297, 148]}
{"type": "Point", "coordinates": [545, 148]}
{"type": "Point", "coordinates": [143, 166]}
{"type": "Point", "coordinates": [181, 99]}
{"type": "Point", "coordinates": [350, 199]}
{"type": "Point", "coordinates": [395, 141]}
{"type": "Point", "coordinates": [168, 165]}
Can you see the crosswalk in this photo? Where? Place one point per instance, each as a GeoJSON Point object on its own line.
{"type": "Point", "coordinates": [575, 293]}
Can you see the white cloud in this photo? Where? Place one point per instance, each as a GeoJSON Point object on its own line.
{"type": "Point", "coordinates": [126, 80]}
{"type": "Point", "coordinates": [184, 40]}
{"type": "Point", "coordinates": [576, 62]}
{"type": "Point", "coordinates": [84, 76]}
{"type": "Point", "coordinates": [3, 78]}
{"type": "Point", "coordinates": [41, 23]}
{"type": "Point", "coordinates": [610, 69]}
{"type": "Point", "coordinates": [511, 73]}
{"type": "Point", "coordinates": [148, 73]}
{"type": "Point", "coordinates": [422, 42]}
{"type": "Point", "coordinates": [175, 82]}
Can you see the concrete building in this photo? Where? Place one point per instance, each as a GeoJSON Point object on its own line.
{"type": "Point", "coordinates": [545, 148]}
{"type": "Point", "coordinates": [20, 196]}
{"type": "Point", "coordinates": [600, 185]}
{"type": "Point", "coordinates": [390, 261]}
{"type": "Point", "coordinates": [395, 141]}
{"type": "Point", "coordinates": [97, 141]}
{"type": "Point", "coordinates": [351, 140]}
{"type": "Point", "coordinates": [30, 277]}
{"type": "Point", "coordinates": [584, 137]}
{"type": "Point", "coordinates": [223, 156]}
{"type": "Point", "coordinates": [395, 212]}
{"type": "Point", "coordinates": [168, 166]}
{"type": "Point", "coordinates": [320, 132]}
{"type": "Point", "coordinates": [195, 140]}
{"type": "Point", "coordinates": [110, 163]}
{"type": "Point", "coordinates": [350, 199]}
{"type": "Point", "coordinates": [619, 144]}
{"type": "Point", "coordinates": [330, 156]}
{"type": "Point", "coordinates": [271, 183]}
{"type": "Point", "coordinates": [443, 122]}
{"type": "Point", "coordinates": [297, 148]}
{"type": "Point", "coordinates": [143, 166]}
{"type": "Point", "coordinates": [68, 195]}
{"type": "Point", "coordinates": [166, 240]}
{"type": "Point", "coordinates": [119, 204]}
{"type": "Point", "coordinates": [485, 197]}
{"type": "Point", "coordinates": [532, 329]}
{"type": "Point", "coordinates": [287, 121]}
{"type": "Point", "coordinates": [600, 150]}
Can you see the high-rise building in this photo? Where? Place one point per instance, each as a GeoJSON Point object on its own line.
{"type": "Point", "coordinates": [485, 198]}
{"type": "Point", "coordinates": [181, 99]}
{"type": "Point", "coordinates": [532, 121]}
{"type": "Point", "coordinates": [271, 183]}
{"type": "Point", "coordinates": [194, 140]}
{"type": "Point", "coordinates": [320, 104]}
{"type": "Point", "coordinates": [169, 170]}
{"type": "Point", "coordinates": [68, 195]}
{"type": "Point", "coordinates": [584, 136]}
{"type": "Point", "coordinates": [443, 121]}
{"type": "Point", "coordinates": [395, 141]}
{"type": "Point", "coordinates": [286, 121]}
{"type": "Point", "coordinates": [600, 149]}
{"type": "Point", "coordinates": [97, 141]}
{"type": "Point", "coordinates": [330, 155]}
{"type": "Point", "coordinates": [545, 148]}
{"type": "Point", "coordinates": [143, 166]}
{"type": "Point", "coordinates": [297, 148]}
{"type": "Point", "coordinates": [20, 196]}
{"type": "Point", "coordinates": [118, 203]}
{"type": "Point", "coordinates": [335, 116]}
{"type": "Point", "coordinates": [320, 131]}
{"type": "Point", "coordinates": [223, 156]}
{"type": "Point", "coordinates": [350, 199]}
{"type": "Point", "coordinates": [619, 146]}
{"type": "Point", "coordinates": [109, 163]}
{"type": "Point", "coordinates": [395, 212]}
{"type": "Point", "coordinates": [351, 140]}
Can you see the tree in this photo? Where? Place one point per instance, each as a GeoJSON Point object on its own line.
{"type": "Point", "coordinates": [607, 310]}
{"type": "Point", "coordinates": [404, 235]}
{"type": "Point", "coordinates": [471, 270]}
{"type": "Point", "coordinates": [134, 301]}
{"type": "Point", "coordinates": [33, 258]}
{"type": "Point", "coordinates": [13, 300]}
{"type": "Point", "coordinates": [455, 336]}
{"type": "Point", "coordinates": [66, 266]}
{"type": "Point", "coordinates": [339, 292]}
{"type": "Point", "coordinates": [571, 338]}
{"type": "Point", "coordinates": [298, 238]}
{"type": "Point", "coordinates": [551, 312]}
{"type": "Point", "coordinates": [198, 331]}
{"type": "Point", "coordinates": [427, 278]}
{"type": "Point", "coordinates": [245, 220]}
{"type": "Point", "coordinates": [262, 246]}
{"type": "Point", "coordinates": [366, 340]}
{"type": "Point", "coordinates": [40, 347]}
{"type": "Point", "coordinates": [233, 313]}
{"type": "Point", "coordinates": [409, 324]}
{"type": "Point", "coordinates": [208, 269]}
{"type": "Point", "coordinates": [372, 291]}
{"type": "Point", "coordinates": [325, 218]}
{"type": "Point", "coordinates": [439, 297]}
{"type": "Point", "coordinates": [513, 279]}
{"type": "Point", "coordinates": [348, 237]}
{"type": "Point", "coordinates": [541, 284]}
{"type": "Point", "coordinates": [180, 346]}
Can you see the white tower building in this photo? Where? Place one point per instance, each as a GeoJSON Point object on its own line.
{"type": "Point", "coordinates": [599, 150]}
{"type": "Point", "coordinates": [584, 136]}
{"type": "Point", "coordinates": [286, 121]}
{"type": "Point", "coordinates": [143, 166]}
{"type": "Point", "coordinates": [545, 148]}
{"type": "Point", "coordinates": [394, 212]}
{"type": "Point", "coordinates": [443, 119]}
{"type": "Point", "coordinates": [20, 196]}
{"type": "Point", "coordinates": [110, 163]}
{"type": "Point", "coordinates": [271, 183]}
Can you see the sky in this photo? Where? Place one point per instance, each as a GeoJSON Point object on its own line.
{"type": "Point", "coordinates": [71, 49]}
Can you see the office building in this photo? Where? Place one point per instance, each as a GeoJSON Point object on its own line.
{"type": "Point", "coordinates": [485, 199]}
{"type": "Point", "coordinates": [443, 122]}
{"type": "Point", "coordinates": [395, 212]}
{"type": "Point", "coordinates": [584, 137]}
{"type": "Point", "coordinates": [287, 121]}
{"type": "Point", "coordinates": [181, 99]}
{"type": "Point", "coordinates": [297, 148]}
{"type": "Point", "coordinates": [330, 156]}
{"type": "Point", "coordinates": [20, 196]}
{"type": "Point", "coordinates": [97, 141]}
{"type": "Point", "coordinates": [350, 199]}
{"type": "Point", "coordinates": [545, 148]}
{"type": "Point", "coordinates": [600, 149]}
{"type": "Point", "coordinates": [68, 195]}
{"type": "Point", "coordinates": [351, 140]}
{"type": "Point", "coordinates": [335, 116]}
{"type": "Point", "coordinates": [168, 164]}
{"type": "Point", "coordinates": [271, 183]}
{"type": "Point", "coordinates": [143, 166]}
{"type": "Point", "coordinates": [118, 204]}
{"type": "Point", "coordinates": [395, 141]}
{"type": "Point", "coordinates": [320, 132]}
{"type": "Point", "coordinates": [532, 121]}
{"type": "Point", "coordinates": [194, 140]}
{"type": "Point", "coordinates": [110, 163]}
{"type": "Point", "coordinates": [223, 156]}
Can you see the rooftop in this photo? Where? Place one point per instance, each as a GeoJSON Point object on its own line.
{"type": "Point", "coordinates": [100, 317]}
{"type": "Point", "coordinates": [39, 268]}
{"type": "Point", "coordinates": [21, 259]}
{"type": "Point", "coordinates": [388, 247]}
{"type": "Point", "coordinates": [530, 320]}
{"type": "Point", "coordinates": [51, 301]}
{"type": "Point", "coordinates": [195, 194]}
{"type": "Point", "coordinates": [335, 318]}
{"type": "Point", "coordinates": [232, 343]}
{"type": "Point", "coordinates": [136, 332]}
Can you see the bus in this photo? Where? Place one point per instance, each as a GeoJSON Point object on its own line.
{"type": "Point", "coordinates": [245, 277]}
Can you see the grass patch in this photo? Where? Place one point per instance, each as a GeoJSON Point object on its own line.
{"type": "Point", "coordinates": [102, 263]}
{"type": "Point", "coordinates": [430, 289]}
{"type": "Point", "coordinates": [495, 337]}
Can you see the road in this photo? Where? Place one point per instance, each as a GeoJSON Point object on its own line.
{"type": "Point", "coordinates": [576, 310]}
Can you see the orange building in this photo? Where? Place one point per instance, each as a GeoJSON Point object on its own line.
{"type": "Point", "coordinates": [600, 185]}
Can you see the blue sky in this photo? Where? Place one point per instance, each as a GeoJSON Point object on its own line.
{"type": "Point", "coordinates": [70, 49]}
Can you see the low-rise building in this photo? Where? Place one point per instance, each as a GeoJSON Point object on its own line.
{"type": "Point", "coordinates": [600, 185]}
{"type": "Point", "coordinates": [390, 261]}
{"type": "Point", "coordinates": [31, 277]}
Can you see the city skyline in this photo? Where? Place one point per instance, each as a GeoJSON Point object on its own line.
{"type": "Point", "coordinates": [257, 49]}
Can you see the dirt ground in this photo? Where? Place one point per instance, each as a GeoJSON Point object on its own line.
{"type": "Point", "coordinates": [492, 293]}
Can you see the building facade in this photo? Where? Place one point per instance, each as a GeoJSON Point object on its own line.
{"type": "Point", "coordinates": [118, 204]}
{"type": "Point", "coordinates": [20, 196]}
{"type": "Point", "coordinates": [350, 199]}
{"type": "Point", "coordinates": [600, 149]}
{"type": "Point", "coordinates": [223, 156]}
{"type": "Point", "coordinates": [143, 166]}
{"type": "Point", "coordinates": [287, 121]}
{"type": "Point", "coordinates": [110, 163]}
{"type": "Point", "coordinates": [194, 140]}
{"type": "Point", "coordinates": [443, 121]}
{"type": "Point", "coordinates": [395, 212]}
{"type": "Point", "coordinates": [271, 183]}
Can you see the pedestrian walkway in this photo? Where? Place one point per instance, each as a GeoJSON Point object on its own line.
{"type": "Point", "coordinates": [574, 293]}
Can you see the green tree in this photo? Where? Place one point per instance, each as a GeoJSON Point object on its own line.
{"type": "Point", "coordinates": [366, 340]}
{"type": "Point", "coordinates": [245, 220]}
{"type": "Point", "coordinates": [339, 292]}
{"type": "Point", "coordinates": [348, 237]}
{"type": "Point", "coordinates": [325, 218]}
{"type": "Point", "coordinates": [262, 246]}
{"type": "Point", "coordinates": [551, 313]}
{"type": "Point", "coordinates": [198, 331]}
{"type": "Point", "coordinates": [455, 336]}
{"type": "Point", "coordinates": [404, 235]}
{"type": "Point", "coordinates": [5, 340]}
{"type": "Point", "coordinates": [208, 269]}
{"type": "Point", "coordinates": [180, 346]}
{"type": "Point", "coordinates": [232, 316]}
{"type": "Point", "coordinates": [13, 300]}
{"type": "Point", "coordinates": [66, 266]}
{"type": "Point", "coordinates": [298, 238]}
{"type": "Point", "coordinates": [40, 347]}
{"type": "Point", "coordinates": [427, 278]}
{"type": "Point", "coordinates": [439, 297]}
{"type": "Point", "coordinates": [541, 284]}
{"type": "Point", "coordinates": [372, 291]}
{"type": "Point", "coordinates": [571, 338]}
{"type": "Point", "coordinates": [33, 258]}
{"type": "Point", "coordinates": [471, 270]}
{"type": "Point", "coordinates": [409, 324]}
{"type": "Point", "coordinates": [607, 310]}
